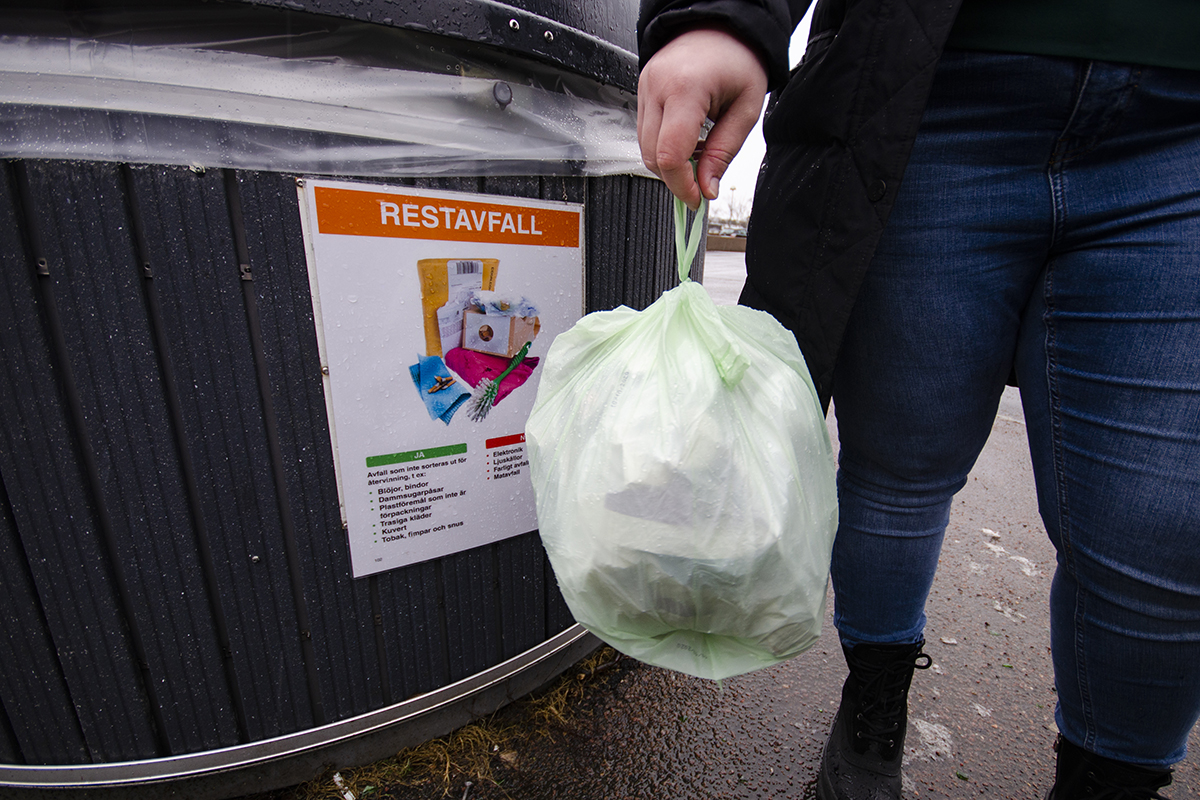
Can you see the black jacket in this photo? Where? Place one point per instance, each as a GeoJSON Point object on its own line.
{"type": "Point", "coordinates": [839, 130]}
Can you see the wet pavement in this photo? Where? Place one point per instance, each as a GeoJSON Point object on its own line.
{"type": "Point", "coordinates": [981, 719]}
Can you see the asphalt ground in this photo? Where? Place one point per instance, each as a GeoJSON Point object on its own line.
{"type": "Point", "coordinates": [981, 718]}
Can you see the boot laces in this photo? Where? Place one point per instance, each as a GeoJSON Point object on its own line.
{"type": "Point", "coordinates": [883, 709]}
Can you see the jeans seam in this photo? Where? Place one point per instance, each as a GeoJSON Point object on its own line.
{"type": "Point", "coordinates": [1062, 502]}
{"type": "Point", "coordinates": [1081, 670]}
{"type": "Point", "coordinates": [1052, 390]}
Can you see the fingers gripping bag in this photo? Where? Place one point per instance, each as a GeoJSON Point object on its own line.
{"type": "Point", "coordinates": [684, 481]}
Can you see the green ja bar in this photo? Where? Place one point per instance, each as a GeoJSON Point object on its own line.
{"type": "Point", "coordinates": [416, 455]}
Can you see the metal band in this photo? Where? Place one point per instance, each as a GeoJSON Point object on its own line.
{"type": "Point", "coordinates": [290, 759]}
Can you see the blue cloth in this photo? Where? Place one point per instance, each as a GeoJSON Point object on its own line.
{"type": "Point", "coordinates": [1049, 219]}
{"type": "Point", "coordinates": [443, 403]}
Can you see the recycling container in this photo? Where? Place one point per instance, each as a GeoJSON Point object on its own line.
{"type": "Point", "coordinates": [179, 612]}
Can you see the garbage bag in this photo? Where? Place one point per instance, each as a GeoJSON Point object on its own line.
{"type": "Point", "coordinates": [684, 482]}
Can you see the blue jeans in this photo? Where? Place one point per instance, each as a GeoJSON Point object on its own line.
{"type": "Point", "coordinates": [1049, 221]}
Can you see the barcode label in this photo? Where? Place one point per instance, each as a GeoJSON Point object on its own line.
{"type": "Point", "coordinates": [467, 274]}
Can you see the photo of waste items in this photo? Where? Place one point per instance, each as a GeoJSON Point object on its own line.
{"type": "Point", "coordinates": [477, 339]}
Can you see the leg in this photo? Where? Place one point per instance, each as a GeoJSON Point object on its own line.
{"type": "Point", "coordinates": [929, 346]}
{"type": "Point", "coordinates": [1110, 377]}
{"type": "Point", "coordinates": [933, 332]}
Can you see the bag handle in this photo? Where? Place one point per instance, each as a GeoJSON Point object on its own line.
{"type": "Point", "coordinates": [727, 356]}
{"type": "Point", "coordinates": [686, 246]}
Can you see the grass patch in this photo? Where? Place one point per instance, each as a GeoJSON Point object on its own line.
{"type": "Point", "coordinates": [470, 753]}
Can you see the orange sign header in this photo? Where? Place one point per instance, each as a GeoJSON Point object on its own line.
{"type": "Point", "coordinates": [358, 213]}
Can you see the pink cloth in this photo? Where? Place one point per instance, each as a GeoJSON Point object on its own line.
{"type": "Point", "coordinates": [474, 368]}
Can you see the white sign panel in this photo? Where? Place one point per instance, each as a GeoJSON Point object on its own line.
{"type": "Point", "coordinates": [433, 312]}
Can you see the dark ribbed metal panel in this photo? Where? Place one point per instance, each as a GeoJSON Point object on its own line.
{"type": "Point", "coordinates": [417, 652]}
{"type": "Point", "coordinates": [105, 343]}
{"type": "Point", "coordinates": [198, 284]}
{"type": "Point", "coordinates": [10, 750]}
{"type": "Point", "coordinates": [607, 236]}
{"type": "Point", "coordinates": [467, 582]}
{"type": "Point", "coordinates": [39, 723]}
{"type": "Point", "coordinates": [175, 575]}
{"type": "Point", "coordinates": [522, 614]}
{"type": "Point", "coordinates": [46, 477]}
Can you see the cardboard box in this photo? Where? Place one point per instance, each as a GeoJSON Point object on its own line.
{"type": "Point", "coordinates": [497, 334]}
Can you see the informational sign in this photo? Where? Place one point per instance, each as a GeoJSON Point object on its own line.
{"type": "Point", "coordinates": [433, 312]}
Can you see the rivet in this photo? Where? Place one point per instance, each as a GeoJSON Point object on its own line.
{"type": "Point", "coordinates": [516, 26]}
{"type": "Point", "coordinates": [549, 35]}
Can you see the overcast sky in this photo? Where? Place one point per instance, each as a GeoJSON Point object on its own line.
{"type": "Point", "coordinates": [738, 184]}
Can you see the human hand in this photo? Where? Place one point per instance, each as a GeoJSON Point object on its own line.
{"type": "Point", "coordinates": [702, 73]}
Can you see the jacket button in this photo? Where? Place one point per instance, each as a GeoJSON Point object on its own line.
{"type": "Point", "coordinates": [876, 191]}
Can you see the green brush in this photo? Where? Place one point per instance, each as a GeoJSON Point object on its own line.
{"type": "Point", "coordinates": [485, 393]}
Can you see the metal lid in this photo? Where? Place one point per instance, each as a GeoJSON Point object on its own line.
{"type": "Point", "coordinates": [596, 38]}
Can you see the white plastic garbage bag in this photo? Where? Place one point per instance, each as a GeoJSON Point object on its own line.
{"type": "Point", "coordinates": [685, 482]}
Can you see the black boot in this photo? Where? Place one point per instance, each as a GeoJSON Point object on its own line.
{"type": "Point", "coordinates": [863, 754]}
{"type": "Point", "coordinates": [1081, 774]}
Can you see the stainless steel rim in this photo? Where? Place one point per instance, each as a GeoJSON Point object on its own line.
{"type": "Point", "coordinates": [434, 713]}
